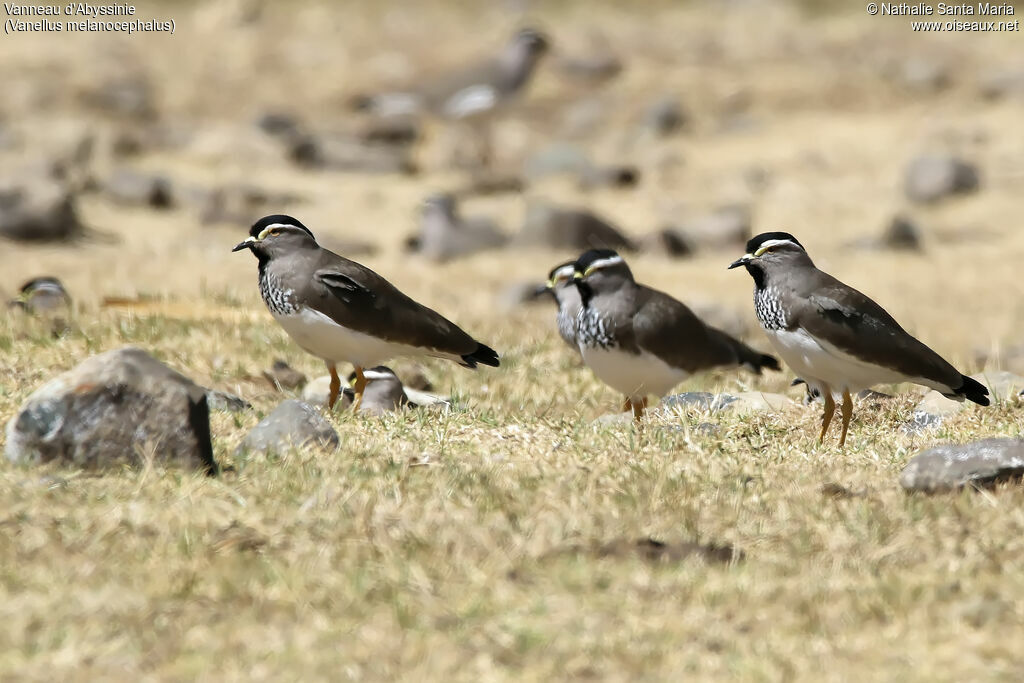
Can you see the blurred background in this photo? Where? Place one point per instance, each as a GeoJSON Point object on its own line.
{"type": "Point", "coordinates": [463, 148]}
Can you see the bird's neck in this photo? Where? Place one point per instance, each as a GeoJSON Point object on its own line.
{"type": "Point", "coordinates": [760, 277]}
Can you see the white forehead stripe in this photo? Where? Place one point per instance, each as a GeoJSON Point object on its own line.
{"type": "Point", "coordinates": [565, 271]}
{"type": "Point", "coordinates": [768, 244]}
{"type": "Point", "coordinates": [264, 231]}
{"type": "Point", "coordinates": [377, 374]}
{"type": "Point", "coordinates": [604, 263]}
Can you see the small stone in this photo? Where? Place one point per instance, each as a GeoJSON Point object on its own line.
{"type": "Point", "coordinates": [292, 424]}
{"type": "Point", "coordinates": [902, 234]}
{"type": "Point", "coordinates": [757, 401]}
{"type": "Point", "coordinates": [134, 188]}
{"type": "Point", "coordinates": [225, 402]}
{"type": "Point", "coordinates": [1000, 84]}
{"type": "Point", "coordinates": [923, 74]}
{"type": "Point", "coordinates": [931, 411]}
{"type": "Point", "coordinates": [725, 227]}
{"type": "Point", "coordinates": [556, 159]}
{"type": "Point", "coordinates": [702, 400]}
{"type": "Point", "coordinates": [570, 229]}
{"type": "Point", "coordinates": [113, 409]}
{"type": "Point", "coordinates": [932, 177]}
{"type": "Point", "coordinates": [1002, 385]}
{"type": "Point", "coordinates": [38, 209]}
{"type": "Point", "coordinates": [318, 391]}
{"type": "Point", "coordinates": [279, 124]}
{"type": "Point", "coordinates": [950, 467]}
{"type": "Point", "coordinates": [285, 378]}
{"type": "Point", "coordinates": [665, 116]}
{"type": "Point", "coordinates": [666, 242]}
{"type": "Point", "coordinates": [346, 154]}
{"type": "Point", "coordinates": [130, 97]}
{"type": "Point", "coordinates": [614, 177]}
{"type": "Point", "coordinates": [591, 69]}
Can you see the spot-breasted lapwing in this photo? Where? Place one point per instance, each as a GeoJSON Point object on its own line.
{"type": "Point", "coordinates": [640, 341]}
{"type": "Point", "coordinates": [835, 338]}
{"type": "Point", "coordinates": [341, 311]}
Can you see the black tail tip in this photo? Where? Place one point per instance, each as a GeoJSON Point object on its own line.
{"type": "Point", "coordinates": [483, 354]}
{"type": "Point", "coordinates": [770, 362]}
{"type": "Point", "coordinates": [973, 390]}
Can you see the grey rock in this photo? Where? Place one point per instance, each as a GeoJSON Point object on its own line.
{"type": "Point", "coordinates": [591, 69]}
{"type": "Point", "coordinates": [489, 183]}
{"type": "Point", "coordinates": [932, 177]}
{"type": "Point", "coordinates": [444, 234]}
{"type": "Point", "coordinates": [110, 410]}
{"type": "Point", "coordinates": [348, 154]}
{"type": "Point", "coordinates": [727, 226]}
{"type": "Point", "coordinates": [930, 412]}
{"type": "Point", "coordinates": [902, 234]}
{"type": "Point", "coordinates": [1002, 83]}
{"type": "Point", "coordinates": [317, 391]}
{"type": "Point", "coordinates": [225, 402]}
{"type": "Point", "coordinates": [665, 116]}
{"type": "Point", "coordinates": [923, 74]}
{"type": "Point", "coordinates": [135, 188]}
{"type": "Point", "coordinates": [702, 400]}
{"type": "Point", "coordinates": [570, 229]}
{"type": "Point", "coordinates": [558, 158]}
{"type": "Point", "coordinates": [292, 424]}
{"type": "Point", "coordinates": [279, 124]}
{"type": "Point", "coordinates": [950, 467]}
{"type": "Point", "coordinates": [666, 242]}
{"type": "Point", "coordinates": [38, 209]}
{"type": "Point", "coordinates": [130, 97]}
{"type": "Point", "coordinates": [240, 204]}
{"type": "Point", "coordinates": [390, 130]}
{"type": "Point", "coordinates": [284, 377]}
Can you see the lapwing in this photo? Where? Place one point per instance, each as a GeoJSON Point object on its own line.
{"type": "Point", "coordinates": [341, 311]}
{"type": "Point", "coordinates": [470, 91]}
{"type": "Point", "coordinates": [562, 287]}
{"type": "Point", "coordinates": [42, 295]}
{"type": "Point", "coordinates": [471, 95]}
{"type": "Point", "coordinates": [640, 341]}
{"type": "Point", "coordinates": [835, 338]}
{"type": "Point", "coordinates": [383, 393]}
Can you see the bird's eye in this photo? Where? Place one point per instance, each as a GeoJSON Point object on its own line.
{"type": "Point", "coordinates": [275, 231]}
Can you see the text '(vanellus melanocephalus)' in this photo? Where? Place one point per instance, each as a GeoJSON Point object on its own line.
{"type": "Point", "coordinates": [341, 311]}
{"type": "Point", "coordinates": [835, 338]}
{"type": "Point", "coordinates": [640, 341]}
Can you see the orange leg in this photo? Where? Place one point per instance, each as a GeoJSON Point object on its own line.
{"type": "Point", "coordinates": [627, 405]}
{"type": "Point", "coordinates": [335, 387]}
{"type": "Point", "coordinates": [358, 389]}
{"type": "Point", "coordinates": [847, 414]}
{"type": "Point", "coordinates": [830, 409]}
{"type": "Point", "coordinates": [638, 408]}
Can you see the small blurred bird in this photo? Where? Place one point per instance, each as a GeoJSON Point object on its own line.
{"type": "Point", "coordinates": [42, 295]}
{"type": "Point", "coordinates": [444, 234]}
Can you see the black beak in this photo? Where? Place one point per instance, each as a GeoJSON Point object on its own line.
{"type": "Point", "coordinates": [541, 290]}
{"type": "Point", "coordinates": [243, 245]}
{"type": "Point", "coordinates": [737, 263]}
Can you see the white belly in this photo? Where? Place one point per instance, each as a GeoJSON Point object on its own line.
{"type": "Point", "coordinates": [635, 376]}
{"type": "Point", "coordinates": [819, 363]}
{"type": "Point", "coordinates": [322, 337]}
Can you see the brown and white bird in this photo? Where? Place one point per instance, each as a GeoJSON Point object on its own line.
{"type": "Point", "coordinates": [835, 338]}
{"type": "Point", "coordinates": [341, 311]}
{"type": "Point", "coordinates": [467, 92]}
{"type": "Point", "coordinates": [640, 341]}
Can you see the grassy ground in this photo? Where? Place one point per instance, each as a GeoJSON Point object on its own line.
{"type": "Point", "coordinates": [504, 540]}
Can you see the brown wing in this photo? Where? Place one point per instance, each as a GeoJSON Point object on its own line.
{"type": "Point", "coordinates": [671, 331]}
{"type": "Point", "coordinates": [358, 298]}
{"type": "Point", "coordinates": [856, 325]}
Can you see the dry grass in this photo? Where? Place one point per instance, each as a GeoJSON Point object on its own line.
{"type": "Point", "coordinates": [510, 555]}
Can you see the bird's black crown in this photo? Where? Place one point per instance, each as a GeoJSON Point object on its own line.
{"type": "Point", "coordinates": [755, 242]}
{"type": "Point", "coordinates": [260, 225]}
{"type": "Point", "coordinates": [589, 257]}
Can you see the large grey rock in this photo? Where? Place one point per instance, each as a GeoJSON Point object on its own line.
{"type": "Point", "coordinates": [292, 424]}
{"type": "Point", "coordinates": [932, 177]}
{"type": "Point", "coordinates": [570, 229]}
{"type": "Point", "coordinates": [136, 188]}
{"type": "Point", "coordinates": [37, 208]}
{"type": "Point", "coordinates": [702, 400]}
{"type": "Point", "coordinates": [950, 467]}
{"type": "Point", "coordinates": [727, 226]}
{"type": "Point", "coordinates": [113, 409]}
{"type": "Point", "coordinates": [346, 154]}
